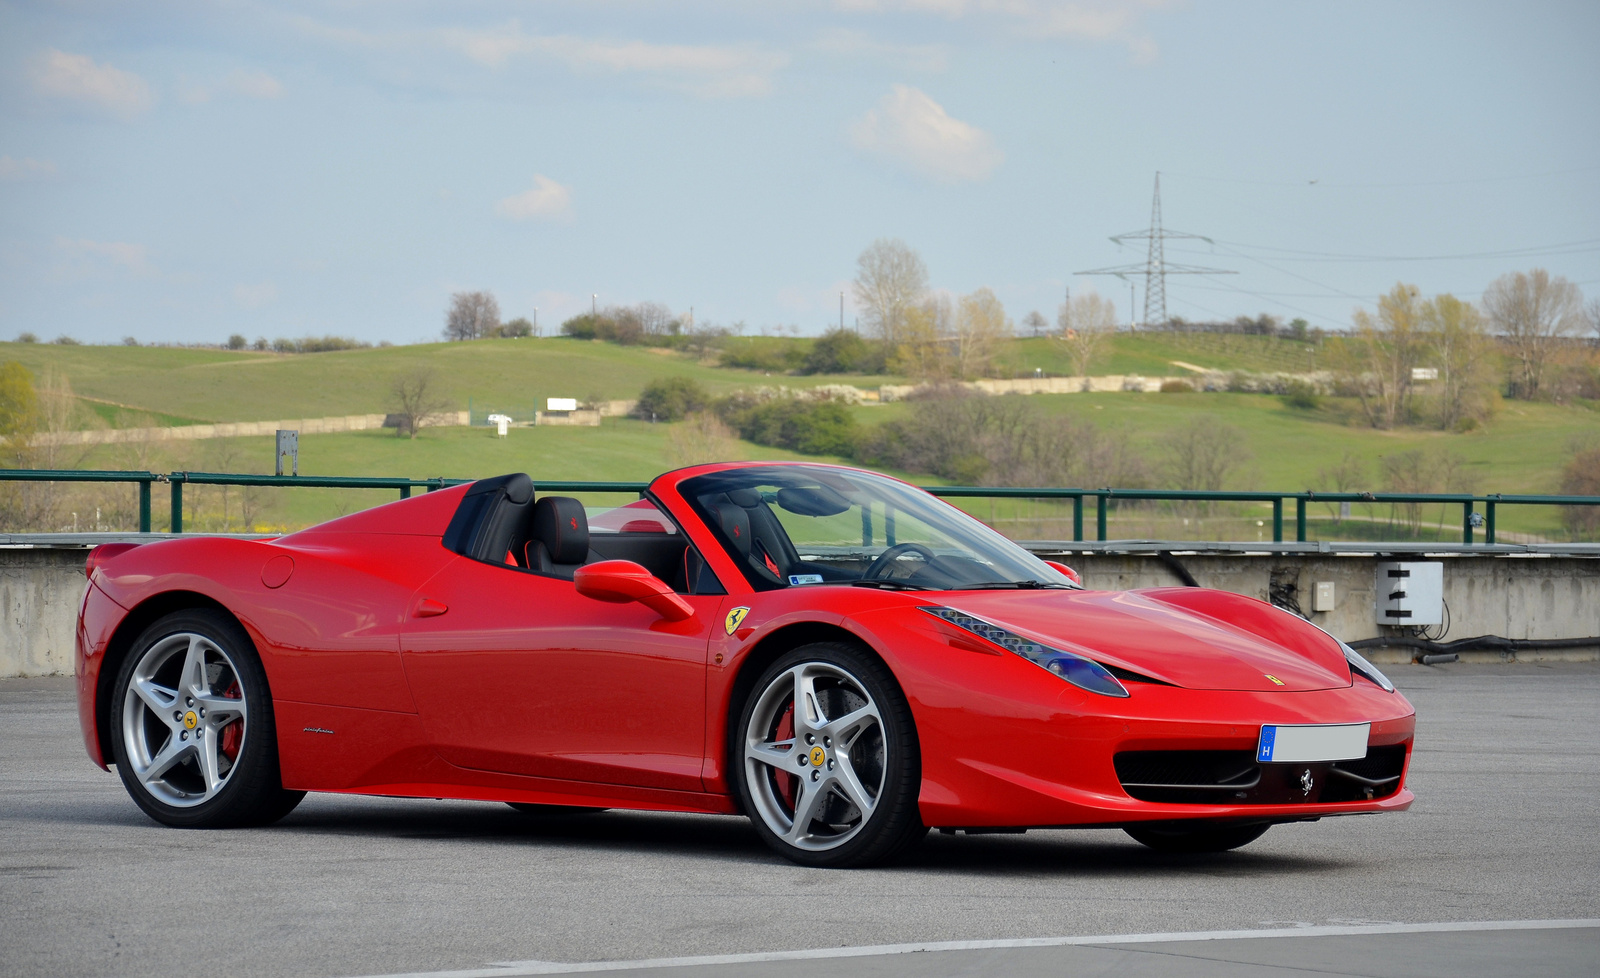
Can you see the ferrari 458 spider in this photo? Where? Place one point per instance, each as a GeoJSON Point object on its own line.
{"type": "Point", "coordinates": [839, 656]}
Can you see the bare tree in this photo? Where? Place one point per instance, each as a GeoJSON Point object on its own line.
{"type": "Point", "coordinates": [702, 437]}
{"type": "Point", "coordinates": [1346, 475]}
{"type": "Point", "coordinates": [1087, 323]}
{"type": "Point", "coordinates": [1534, 312]}
{"type": "Point", "coordinates": [981, 327]}
{"type": "Point", "coordinates": [656, 319]}
{"type": "Point", "coordinates": [1202, 454]}
{"type": "Point", "coordinates": [1377, 361]}
{"type": "Point", "coordinates": [472, 316]}
{"type": "Point", "coordinates": [891, 279]}
{"type": "Point", "coordinates": [1035, 324]}
{"type": "Point", "coordinates": [1591, 312]}
{"type": "Point", "coordinates": [925, 341]}
{"type": "Point", "coordinates": [1459, 345]}
{"type": "Point", "coordinates": [418, 401]}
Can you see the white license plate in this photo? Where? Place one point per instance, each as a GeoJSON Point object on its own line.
{"type": "Point", "coordinates": [1297, 743]}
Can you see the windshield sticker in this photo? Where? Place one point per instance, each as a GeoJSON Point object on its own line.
{"type": "Point", "coordinates": [734, 618]}
{"type": "Point", "coordinates": [805, 578]}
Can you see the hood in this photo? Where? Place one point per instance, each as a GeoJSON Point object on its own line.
{"type": "Point", "coordinates": [1189, 637]}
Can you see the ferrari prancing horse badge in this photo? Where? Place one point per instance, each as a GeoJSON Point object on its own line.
{"type": "Point", "coordinates": [734, 618]}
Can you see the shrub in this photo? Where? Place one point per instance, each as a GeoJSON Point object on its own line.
{"type": "Point", "coordinates": [1582, 478]}
{"type": "Point", "coordinates": [516, 329]}
{"type": "Point", "coordinates": [235, 342]}
{"type": "Point", "coordinates": [65, 340]}
{"type": "Point", "coordinates": [1300, 396]}
{"type": "Point", "coordinates": [807, 425]}
{"type": "Point", "coordinates": [840, 351]}
{"type": "Point", "coordinates": [778, 356]}
{"type": "Point", "coordinates": [671, 398]}
{"type": "Point", "coordinates": [27, 338]}
{"type": "Point", "coordinates": [1176, 387]}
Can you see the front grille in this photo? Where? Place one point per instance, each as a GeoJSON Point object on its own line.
{"type": "Point", "coordinates": [1232, 777]}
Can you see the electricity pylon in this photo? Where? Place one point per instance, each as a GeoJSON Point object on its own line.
{"type": "Point", "coordinates": [1156, 268]}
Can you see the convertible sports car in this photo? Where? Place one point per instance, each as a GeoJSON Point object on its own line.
{"type": "Point", "coordinates": [841, 657]}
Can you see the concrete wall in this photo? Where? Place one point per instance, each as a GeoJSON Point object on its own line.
{"type": "Point", "coordinates": [40, 589]}
{"type": "Point", "coordinates": [230, 429]}
{"type": "Point", "coordinates": [1514, 596]}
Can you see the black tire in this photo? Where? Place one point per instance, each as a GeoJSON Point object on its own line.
{"type": "Point", "coordinates": [894, 822]}
{"type": "Point", "coordinates": [1198, 838]}
{"type": "Point", "coordinates": [250, 791]}
{"type": "Point", "coordinates": [553, 811]}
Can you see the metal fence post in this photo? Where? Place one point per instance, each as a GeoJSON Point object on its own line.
{"type": "Point", "coordinates": [144, 506]}
{"type": "Point", "coordinates": [1100, 513]}
{"type": "Point", "coordinates": [1466, 523]}
{"type": "Point", "coordinates": [1277, 520]}
{"type": "Point", "coordinates": [1300, 519]}
{"type": "Point", "coordinates": [405, 492]}
{"type": "Point", "coordinates": [177, 503]}
{"type": "Point", "coordinates": [1488, 522]}
{"type": "Point", "coordinates": [1077, 518]}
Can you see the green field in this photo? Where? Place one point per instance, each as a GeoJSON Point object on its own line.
{"type": "Point", "coordinates": [1522, 450]}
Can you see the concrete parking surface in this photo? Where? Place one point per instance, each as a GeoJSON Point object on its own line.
{"type": "Point", "coordinates": [1507, 774]}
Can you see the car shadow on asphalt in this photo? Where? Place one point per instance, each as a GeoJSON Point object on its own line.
{"type": "Point", "coordinates": [732, 839]}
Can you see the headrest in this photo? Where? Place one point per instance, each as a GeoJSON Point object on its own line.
{"type": "Point", "coordinates": [560, 523]}
{"type": "Point", "coordinates": [517, 487]}
{"type": "Point", "coordinates": [748, 498]}
{"type": "Point", "coordinates": [734, 521]}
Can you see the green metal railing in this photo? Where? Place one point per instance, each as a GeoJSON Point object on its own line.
{"type": "Point", "coordinates": [1103, 498]}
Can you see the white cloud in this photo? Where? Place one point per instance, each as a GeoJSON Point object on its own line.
{"type": "Point", "coordinates": [716, 71]}
{"type": "Point", "coordinates": [26, 168]}
{"type": "Point", "coordinates": [131, 256]}
{"type": "Point", "coordinates": [1115, 21]}
{"type": "Point", "coordinates": [545, 200]}
{"type": "Point", "coordinates": [912, 130]}
{"type": "Point", "coordinates": [255, 296]}
{"type": "Point", "coordinates": [76, 77]}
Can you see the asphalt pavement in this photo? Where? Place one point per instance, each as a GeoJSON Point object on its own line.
{"type": "Point", "coordinates": [1507, 775]}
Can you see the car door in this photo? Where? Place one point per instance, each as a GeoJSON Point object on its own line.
{"type": "Point", "coordinates": [516, 672]}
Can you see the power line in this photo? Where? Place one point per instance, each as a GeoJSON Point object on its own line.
{"type": "Point", "coordinates": [1156, 268]}
{"type": "Point", "coordinates": [1384, 186]}
{"type": "Point", "coordinates": [1583, 246]}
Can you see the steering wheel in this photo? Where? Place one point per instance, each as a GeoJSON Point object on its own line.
{"type": "Point", "coordinates": [881, 564]}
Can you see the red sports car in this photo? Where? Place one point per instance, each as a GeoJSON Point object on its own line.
{"type": "Point", "coordinates": [841, 657]}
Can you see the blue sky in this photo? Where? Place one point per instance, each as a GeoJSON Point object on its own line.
{"type": "Point", "coordinates": [179, 171]}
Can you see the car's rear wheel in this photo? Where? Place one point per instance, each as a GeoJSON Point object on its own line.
{"type": "Point", "coordinates": [192, 726]}
{"type": "Point", "coordinates": [529, 808]}
{"type": "Point", "coordinates": [1200, 838]}
{"type": "Point", "coordinates": [826, 757]}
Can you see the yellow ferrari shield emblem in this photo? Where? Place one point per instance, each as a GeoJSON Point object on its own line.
{"type": "Point", "coordinates": [190, 720]}
{"type": "Point", "coordinates": [734, 618]}
{"type": "Point", "coordinates": [1275, 679]}
{"type": "Point", "coordinates": [818, 755]}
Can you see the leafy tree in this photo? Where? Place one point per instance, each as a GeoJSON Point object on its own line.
{"type": "Point", "coordinates": [19, 403]}
{"type": "Point", "coordinates": [672, 398]}
{"type": "Point", "coordinates": [891, 280]}
{"type": "Point", "coordinates": [1535, 313]}
{"type": "Point", "coordinates": [235, 342]}
{"type": "Point", "coordinates": [516, 329]}
{"type": "Point", "coordinates": [1459, 345]}
{"type": "Point", "coordinates": [1376, 362]}
{"type": "Point", "coordinates": [471, 316]}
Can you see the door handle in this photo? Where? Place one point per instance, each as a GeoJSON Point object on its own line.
{"type": "Point", "coordinates": [429, 608]}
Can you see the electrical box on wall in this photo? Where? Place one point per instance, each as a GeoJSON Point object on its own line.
{"type": "Point", "coordinates": [1322, 596]}
{"type": "Point", "coordinates": [1410, 593]}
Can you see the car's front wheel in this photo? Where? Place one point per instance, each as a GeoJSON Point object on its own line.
{"type": "Point", "coordinates": [827, 760]}
{"type": "Point", "coordinates": [1198, 838]}
{"type": "Point", "coordinates": [192, 728]}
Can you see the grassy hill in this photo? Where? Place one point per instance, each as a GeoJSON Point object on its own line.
{"type": "Point", "coordinates": [1522, 450]}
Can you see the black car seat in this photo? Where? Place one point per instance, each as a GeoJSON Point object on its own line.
{"type": "Point", "coordinates": [559, 544]}
{"type": "Point", "coordinates": [493, 519]}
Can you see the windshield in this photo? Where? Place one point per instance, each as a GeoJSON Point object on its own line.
{"type": "Point", "coordinates": [796, 525]}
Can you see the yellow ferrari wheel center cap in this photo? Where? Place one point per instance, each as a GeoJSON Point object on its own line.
{"type": "Point", "coordinates": [190, 720]}
{"type": "Point", "coordinates": [818, 755]}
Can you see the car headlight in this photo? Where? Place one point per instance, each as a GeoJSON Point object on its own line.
{"type": "Point", "coordinates": [1079, 671]}
{"type": "Point", "coordinates": [1359, 665]}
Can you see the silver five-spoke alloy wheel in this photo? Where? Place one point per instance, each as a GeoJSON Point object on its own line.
{"type": "Point", "coordinates": [184, 719]}
{"type": "Point", "coordinates": [815, 756]}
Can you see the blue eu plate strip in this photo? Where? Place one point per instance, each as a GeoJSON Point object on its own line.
{"type": "Point", "coordinates": [1268, 736]}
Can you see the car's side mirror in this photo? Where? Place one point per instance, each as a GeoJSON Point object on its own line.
{"type": "Point", "coordinates": [1072, 575]}
{"type": "Point", "coordinates": [621, 581]}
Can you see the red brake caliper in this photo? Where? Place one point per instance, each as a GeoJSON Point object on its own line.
{"type": "Point", "coordinates": [233, 733]}
{"type": "Point", "coordinates": [786, 782]}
